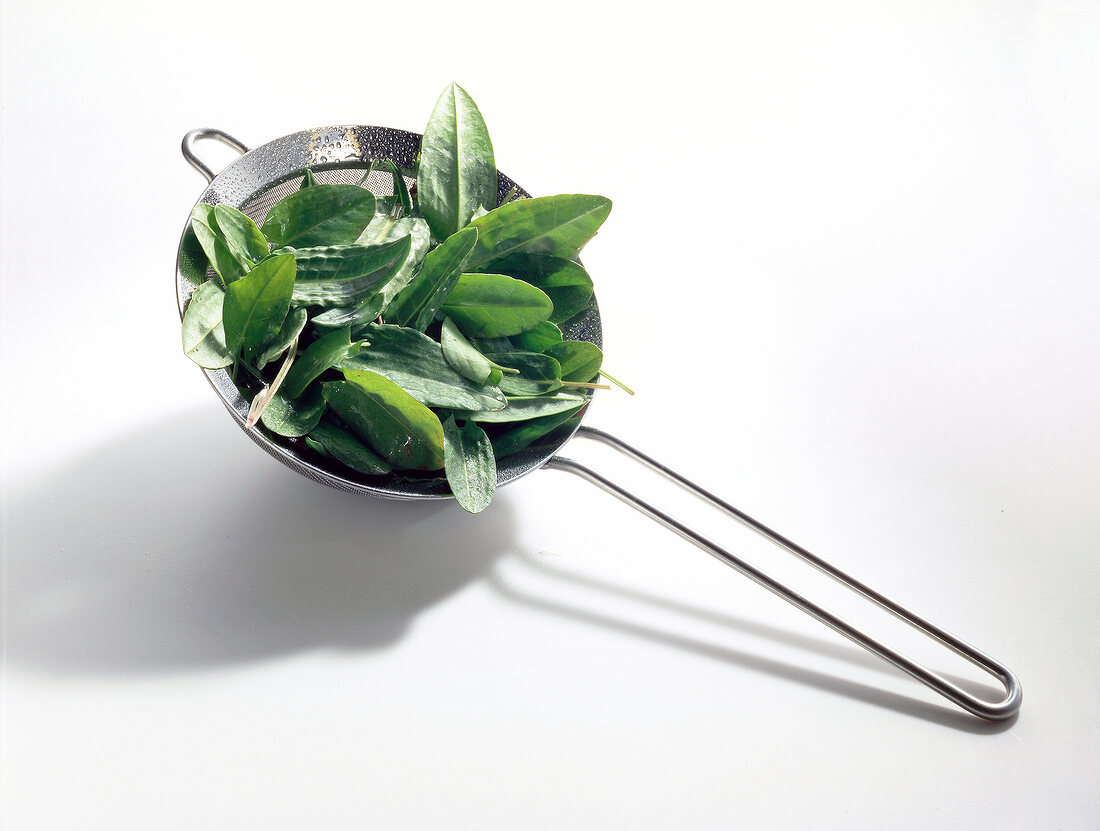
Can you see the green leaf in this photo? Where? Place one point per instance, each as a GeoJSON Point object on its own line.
{"type": "Point", "coordinates": [544, 335]}
{"type": "Point", "coordinates": [344, 447]}
{"type": "Point", "coordinates": [228, 265]}
{"type": "Point", "coordinates": [470, 465]}
{"type": "Point", "coordinates": [319, 215]}
{"type": "Point", "coordinates": [580, 360]}
{"type": "Point", "coordinates": [240, 233]}
{"type": "Point", "coordinates": [457, 172]}
{"type": "Point", "coordinates": [564, 281]}
{"type": "Point", "coordinates": [256, 305]}
{"type": "Point", "coordinates": [418, 302]}
{"type": "Point", "coordinates": [556, 226]}
{"type": "Point", "coordinates": [309, 180]}
{"type": "Point", "coordinates": [343, 275]}
{"type": "Point", "coordinates": [292, 327]}
{"type": "Point", "coordinates": [323, 353]}
{"type": "Point", "coordinates": [463, 356]}
{"type": "Point", "coordinates": [496, 306]}
{"type": "Point", "coordinates": [393, 424]}
{"type": "Point", "coordinates": [203, 333]}
{"type": "Point", "coordinates": [522, 408]}
{"type": "Point", "coordinates": [294, 417]}
{"type": "Point", "coordinates": [538, 374]}
{"type": "Point", "coordinates": [400, 189]}
{"type": "Point", "coordinates": [354, 316]}
{"type": "Point", "coordinates": [415, 363]}
{"type": "Point", "coordinates": [526, 433]}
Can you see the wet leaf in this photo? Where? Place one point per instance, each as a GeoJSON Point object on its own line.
{"type": "Point", "coordinates": [470, 465]}
{"type": "Point", "coordinates": [289, 332]}
{"type": "Point", "coordinates": [544, 335]}
{"type": "Point", "coordinates": [496, 306]}
{"type": "Point", "coordinates": [564, 281]}
{"type": "Point", "coordinates": [579, 359]}
{"type": "Point", "coordinates": [228, 266]}
{"type": "Point", "coordinates": [256, 305]}
{"type": "Point", "coordinates": [240, 234]}
{"type": "Point", "coordinates": [319, 215]}
{"type": "Point", "coordinates": [415, 363]}
{"type": "Point", "coordinates": [346, 448]}
{"type": "Point", "coordinates": [522, 408]}
{"type": "Point", "coordinates": [556, 226]}
{"type": "Point", "coordinates": [343, 275]}
{"type": "Point", "coordinates": [323, 353]}
{"type": "Point", "coordinates": [392, 423]}
{"type": "Point", "coordinates": [203, 333]}
{"type": "Point", "coordinates": [417, 304]}
{"type": "Point", "coordinates": [457, 171]}
{"type": "Point", "coordinates": [537, 374]}
{"type": "Point", "coordinates": [295, 416]}
{"type": "Point", "coordinates": [528, 432]}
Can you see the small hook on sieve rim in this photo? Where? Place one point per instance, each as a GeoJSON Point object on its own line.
{"type": "Point", "coordinates": [193, 136]}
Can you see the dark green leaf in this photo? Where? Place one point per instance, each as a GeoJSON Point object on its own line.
{"type": "Point", "coordinates": [523, 408]}
{"type": "Point", "coordinates": [321, 354]}
{"type": "Point", "coordinates": [417, 304]}
{"type": "Point", "coordinates": [319, 215]}
{"type": "Point", "coordinates": [228, 265]}
{"type": "Point", "coordinates": [203, 333]}
{"type": "Point", "coordinates": [496, 306]}
{"type": "Point", "coordinates": [343, 446]}
{"type": "Point", "coordinates": [309, 180]}
{"type": "Point", "coordinates": [415, 363]}
{"type": "Point", "coordinates": [240, 234]}
{"type": "Point", "coordinates": [580, 360]}
{"type": "Point", "coordinates": [564, 281]}
{"type": "Point", "coordinates": [463, 356]}
{"type": "Point", "coordinates": [470, 465]}
{"type": "Point", "coordinates": [354, 316]}
{"type": "Point", "coordinates": [544, 335]}
{"type": "Point", "coordinates": [556, 226]}
{"type": "Point", "coordinates": [256, 305]}
{"type": "Point", "coordinates": [538, 374]}
{"type": "Point", "coordinates": [294, 417]}
{"type": "Point", "coordinates": [394, 424]}
{"type": "Point", "coordinates": [343, 275]}
{"type": "Point", "coordinates": [528, 432]}
{"type": "Point", "coordinates": [457, 171]}
{"type": "Point", "coordinates": [292, 327]}
{"type": "Point", "coordinates": [400, 189]}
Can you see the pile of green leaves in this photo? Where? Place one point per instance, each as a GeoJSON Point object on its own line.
{"type": "Point", "coordinates": [401, 335]}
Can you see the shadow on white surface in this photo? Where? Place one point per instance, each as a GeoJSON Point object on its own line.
{"type": "Point", "coordinates": [813, 646]}
{"type": "Point", "coordinates": [182, 547]}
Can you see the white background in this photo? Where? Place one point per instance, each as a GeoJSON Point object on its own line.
{"type": "Point", "coordinates": [852, 272]}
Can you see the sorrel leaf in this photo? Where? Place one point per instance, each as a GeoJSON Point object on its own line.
{"type": "Point", "coordinates": [319, 215]}
{"type": "Point", "coordinates": [470, 465]}
{"type": "Point", "coordinates": [457, 173]}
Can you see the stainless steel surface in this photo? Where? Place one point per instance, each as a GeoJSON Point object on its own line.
{"type": "Point", "coordinates": [991, 710]}
{"type": "Point", "coordinates": [208, 133]}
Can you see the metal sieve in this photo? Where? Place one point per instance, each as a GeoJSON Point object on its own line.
{"type": "Point", "coordinates": [261, 177]}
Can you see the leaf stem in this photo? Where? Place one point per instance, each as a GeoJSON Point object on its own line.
{"type": "Point", "coordinates": [264, 397]}
{"type": "Point", "coordinates": [619, 384]}
{"type": "Point", "coordinates": [509, 196]}
{"type": "Point", "coordinates": [586, 386]}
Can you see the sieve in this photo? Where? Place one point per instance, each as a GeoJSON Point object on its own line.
{"type": "Point", "coordinates": [259, 178]}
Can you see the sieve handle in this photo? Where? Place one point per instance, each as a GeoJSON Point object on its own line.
{"type": "Point", "coordinates": [991, 710]}
{"type": "Point", "coordinates": [208, 133]}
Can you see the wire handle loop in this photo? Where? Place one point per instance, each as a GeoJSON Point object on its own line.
{"type": "Point", "coordinates": [993, 711]}
{"type": "Point", "coordinates": [193, 136]}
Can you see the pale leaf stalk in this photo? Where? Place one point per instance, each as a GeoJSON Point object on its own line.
{"type": "Point", "coordinates": [264, 397]}
{"type": "Point", "coordinates": [618, 384]}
